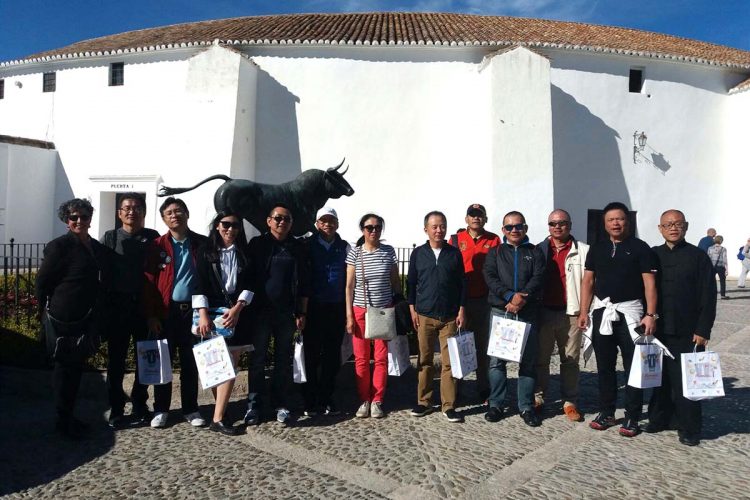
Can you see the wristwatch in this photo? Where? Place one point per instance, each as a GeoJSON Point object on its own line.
{"type": "Point", "coordinates": [653, 315]}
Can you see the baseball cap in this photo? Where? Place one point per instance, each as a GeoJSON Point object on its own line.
{"type": "Point", "coordinates": [326, 211]}
{"type": "Point", "coordinates": [476, 207]}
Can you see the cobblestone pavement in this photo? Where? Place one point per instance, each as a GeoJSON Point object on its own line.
{"type": "Point", "coordinates": [396, 457]}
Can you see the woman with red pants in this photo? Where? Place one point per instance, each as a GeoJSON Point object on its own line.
{"type": "Point", "coordinates": [378, 265]}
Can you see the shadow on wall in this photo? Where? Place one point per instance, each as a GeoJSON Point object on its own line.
{"type": "Point", "coordinates": [587, 168]}
{"type": "Point", "coordinates": [277, 155]}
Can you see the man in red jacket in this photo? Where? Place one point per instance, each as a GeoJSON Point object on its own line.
{"type": "Point", "coordinates": [475, 242]}
{"type": "Point", "coordinates": [170, 283]}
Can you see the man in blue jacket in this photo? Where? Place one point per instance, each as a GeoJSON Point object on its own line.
{"type": "Point", "coordinates": [437, 293]}
{"type": "Point", "coordinates": [514, 272]}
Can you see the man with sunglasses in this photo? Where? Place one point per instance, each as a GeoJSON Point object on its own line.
{"type": "Point", "coordinates": [171, 280]}
{"type": "Point", "coordinates": [326, 313]}
{"type": "Point", "coordinates": [687, 307]}
{"type": "Point", "coordinates": [280, 278]}
{"type": "Point", "coordinates": [514, 272]}
{"type": "Point", "coordinates": [619, 278]}
{"type": "Point", "coordinates": [128, 244]}
{"type": "Point", "coordinates": [475, 242]}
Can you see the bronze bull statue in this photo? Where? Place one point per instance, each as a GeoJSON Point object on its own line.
{"type": "Point", "coordinates": [253, 201]}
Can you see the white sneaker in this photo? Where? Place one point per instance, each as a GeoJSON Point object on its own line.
{"type": "Point", "coordinates": [159, 420]}
{"type": "Point", "coordinates": [363, 411]}
{"type": "Point", "coordinates": [376, 411]}
{"type": "Point", "coordinates": [195, 419]}
{"type": "Point", "coordinates": [282, 415]}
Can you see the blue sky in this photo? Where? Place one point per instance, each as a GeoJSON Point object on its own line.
{"type": "Point", "coordinates": [29, 26]}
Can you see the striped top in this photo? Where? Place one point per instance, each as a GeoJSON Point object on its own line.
{"type": "Point", "coordinates": [378, 265]}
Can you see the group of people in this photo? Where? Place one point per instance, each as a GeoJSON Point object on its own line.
{"type": "Point", "coordinates": [712, 245]}
{"type": "Point", "coordinates": [136, 284]}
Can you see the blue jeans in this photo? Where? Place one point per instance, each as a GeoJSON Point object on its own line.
{"type": "Point", "coordinates": [498, 374]}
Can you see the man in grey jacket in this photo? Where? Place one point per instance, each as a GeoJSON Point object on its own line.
{"type": "Point", "coordinates": [558, 319]}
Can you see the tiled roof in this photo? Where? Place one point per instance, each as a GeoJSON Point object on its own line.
{"type": "Point", "coordinates": [404, 28]}
{"type": "Point", "coordinates": [23, 141]}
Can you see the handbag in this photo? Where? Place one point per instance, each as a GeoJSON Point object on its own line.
{"type": "Point", "coordinates": [213, 362]}
{"type": "Point", "coordinates": [463, 354]}
{"type": "Point", "coordinates": [507, 336]}
{"type": "Point", "coordinates": [380, 322]}
{"type": "Point", "coordinates": [646, 367]}
{"type": "Point", "coordinates": [701, 375]}
{"type": "Point", "coordinates": [153, 362]}
{"type": "Point", "coordinates": [70, 342]}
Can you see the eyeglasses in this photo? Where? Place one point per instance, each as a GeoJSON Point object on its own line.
{"type": "Point", "coordinates": [282, 218]}
{"type": "Point", "coordinates": [131, 209]}
{"type": "Point", "coordinates": [518, 227]}
{"type": "Point", "coordinates": [670, 225]}
{"type": "Point", "coordinates": [558, 223]}
{"type": "Point", "coordinates": [226, 224]}
{"type": "Point", "coordinates": [75, 217]}
{"type": "Point", "coordinates": [371, 229]}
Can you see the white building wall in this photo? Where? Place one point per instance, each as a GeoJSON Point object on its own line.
{"type": "Point", "coordinates": [734, 200]}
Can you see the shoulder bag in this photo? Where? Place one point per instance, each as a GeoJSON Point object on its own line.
{"type": "Point", "coordinates": [380, 322]}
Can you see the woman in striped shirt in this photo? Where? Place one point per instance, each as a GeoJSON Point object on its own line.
{"type": "Point", "coordinates": [381, 276]}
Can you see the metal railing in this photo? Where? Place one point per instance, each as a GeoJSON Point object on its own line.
{"type": "Point", "coordinates": [20, 263]}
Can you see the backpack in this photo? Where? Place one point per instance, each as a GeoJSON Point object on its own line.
{"type": "Point", "coordinates": [741, 255]}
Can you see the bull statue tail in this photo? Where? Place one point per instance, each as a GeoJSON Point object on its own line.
{"type": "Point", "coordinates": [169, 191]}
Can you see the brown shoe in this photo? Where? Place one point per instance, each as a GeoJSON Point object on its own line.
{"type": "Point", "coordinates": [572, 413]}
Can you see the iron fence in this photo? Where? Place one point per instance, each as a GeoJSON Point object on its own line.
{"type": "Point", "coordinates": [20, 262]}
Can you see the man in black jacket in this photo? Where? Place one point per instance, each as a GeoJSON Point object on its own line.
{"type": "Point", "coordinates": [280, 278]}
{"type": "Point", "coordinates": [128, 245]}
{"type": "Point", "coordinates": [687, 309]}
{"type": "Point", "coordinates": [436, 284]}
{"type": "Point", "coordinates": [514, 272]}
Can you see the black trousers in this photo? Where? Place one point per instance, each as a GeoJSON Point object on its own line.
{"type": "Point", "coordinates": [66, 376]}
{"type": "Point", "coordinates": [127, 322]}
{"type": "Point", "coordinates": [720, 271]}
{"type": "Point", "coordinates": [667, 400]}
{"type": "Point", "coordinates": [605, 349]}
{"type": "Point", "coordinates": [323, 334]}
{"type": "Point", "coordinates": [280, 325]}
{"type": "Point", "coordinates": [176, 330]}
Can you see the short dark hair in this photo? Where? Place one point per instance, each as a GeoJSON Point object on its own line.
{"type": "Point", "coordinates": [137, 197]}
{"type": "Point", "coordinates": [173, 201]}
{"type": "Point", "coordinates": [517, 214]}
{"type": "Point", "coordinates": [436, 213]}
{"type": "Point", "coordinates": [280, 205]}
{"type": "Point", "coordinates": [615, 205]}
{"type": "Point", "coordinates": [75, 205]}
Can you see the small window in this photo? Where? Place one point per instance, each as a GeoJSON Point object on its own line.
{"type": "Point", "coordinates": [2, 89]}
{"type": "Point", "coordinates": [636, 80]}
{"type": "Point", "coordinates": [116, 74]}
{"type": "Point", "coordinates": [49, 83]}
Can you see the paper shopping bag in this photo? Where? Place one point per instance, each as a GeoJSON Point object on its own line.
{"type": "Point", "coordinates": [398, 356]}
{"type": "Point", "coordinates": [645, 369]}
{"type": "Point", "coordinates": [214, 362]}
{"type": "Point", "coordinates": [298, 364]}
{"type": "Point", "coordinates": [154, 364]}
{"type": "Point", "coordinates": [347, 349]}
{"type": "Point", "coordinates": [701, 375]}
{"type": "Point", "coordinates": [507, 336]}
{"type": "Point", "coordinates": [463, 354]}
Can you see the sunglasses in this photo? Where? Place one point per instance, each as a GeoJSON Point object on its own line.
{"type": "Point", "coordinates": [517, 227]}
{"type": "Point", "coordinates": [371, 229]}
{"type": "Point", "coordinates": [226, 224]}
{"type": "Point", "coordinates": [83, 217]}
{"type": "Point", "coordinates": [558, 223]}
{"type": "Point", "coordinates": [282, 218]}
{"type": "Point", "coordinates": [476, 213]}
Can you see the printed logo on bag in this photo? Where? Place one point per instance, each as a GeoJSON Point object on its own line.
{"type": "Point", "coordinates": [652, 361]}
{"type": "Point", "coordinates": [152, 356]}
{"type": "Point", "coordinates": [212, 357]}
{"type": "Point", "coordinates": [509, 334]}
{"type": "Point", "coordinates": [704, 370]}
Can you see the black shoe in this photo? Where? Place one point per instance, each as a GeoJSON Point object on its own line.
{"type": "Point", "coordinates": [602, 422]}
{"type": "Point", "coordinates": [689, 439]}
{"type": "Point", "coordinates": [654, 427]}
{"type": "Point", "coordinates": [311, 412]}
{"type": "Point", "coordinates": [226, 429]}
{"type": "Point", "coordinates": [252, 417]}
{"type": "Point", "coordinates": [630, 428]}
{"type": "Point", "coordinates": [140, 418]}
{"type": "Point", "coordinates": [494, 414]}
{"type": "Point", "coordinates": [116, 421]}
{"type": "Point", "coordinates": [530, 418]}
{"type": "Point", "coordinates": [484, 394]}
{"type": "Point", "coordinates": [331, 409]}
{"type": "Point", "coordinates": [421, 411]}
{"type": "Point", "coordinates": [453, 416]}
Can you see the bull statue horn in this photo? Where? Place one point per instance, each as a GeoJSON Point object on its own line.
{"type": "Point", "coordinates": [345, 170]}
{"type": "Point", "coordinates": [334, 169]}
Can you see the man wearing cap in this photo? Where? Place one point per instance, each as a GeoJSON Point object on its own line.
{"type": "Point", "coordinates": [326, 313]}
{"type": "Point", "coordinates": [558, 320]}
{"type": "Point", "coordinates": [475, 242]}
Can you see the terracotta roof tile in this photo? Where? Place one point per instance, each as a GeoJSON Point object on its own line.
{"type": "Point", "coordinates": [406, 28]}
